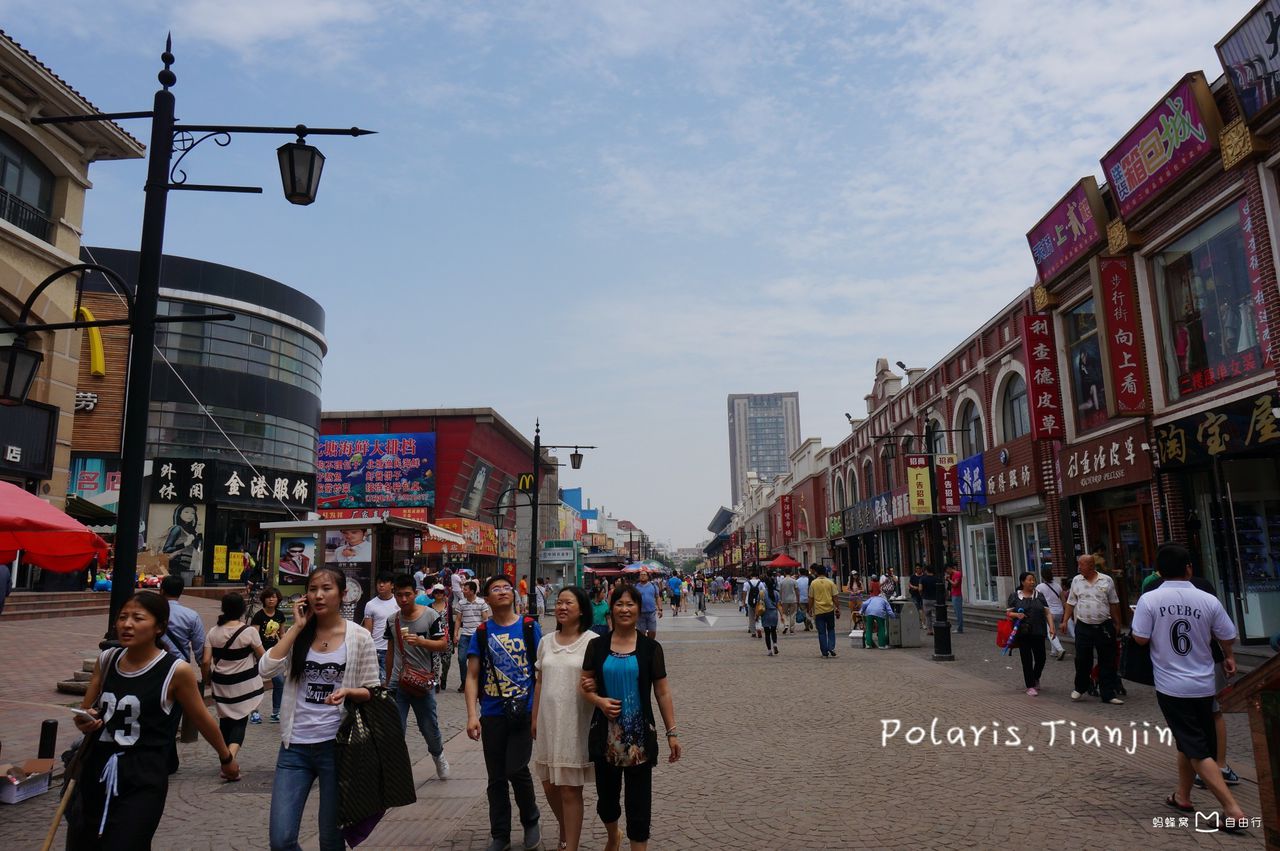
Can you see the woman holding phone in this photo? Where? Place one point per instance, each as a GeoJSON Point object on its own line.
{"type": "Point", "coordinates": [131, 700]}
{"type": "Point", "coordinates": [326, 660]}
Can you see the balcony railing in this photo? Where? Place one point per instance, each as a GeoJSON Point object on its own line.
{"type": "Point", "coordinates": [18, 212]}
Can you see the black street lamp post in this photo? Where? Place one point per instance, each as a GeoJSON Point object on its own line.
{"type": "Point", "coordinates": [300, 166]}
{"type": "Point", "coordinates": [575, 461]}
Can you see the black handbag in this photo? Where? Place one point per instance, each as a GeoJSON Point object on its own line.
{"type": "Point", "coordinates": [1135, 661]}
{"type": "Point", "coordinates": [374, 772]}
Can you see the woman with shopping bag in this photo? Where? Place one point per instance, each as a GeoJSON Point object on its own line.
{"type": "Point", "coordinates": [1030, 610]}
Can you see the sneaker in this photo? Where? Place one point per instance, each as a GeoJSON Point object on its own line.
{"type": "Point", "coordinates": [1230, 777]}
{"type": "Point", "coordinates": [1075, 695]}
{"type": "Point", "coordinates": [496, 844]}
{"type": "Point", "coordinates": [775, 650]}
{"type": "Point", "coordinates": [1031, 692]}
{"type": "Point", "coordinates": [1115, 701]}
{"type": "Point", "coordinates": [442, 767]}
{"type": "Point", "coordinates": [254, 717]}
{"type": "Point", "coordinates": [275, 717]}
{"type": "Point", "coordinates": [1200, 783]}
{"type": "Point", "coordinates": [884, 647]}
{"type": "Point", "coordinates": [768, 651]}
{"type": "Point", "coordinates": [833, 654]}
{"type": "Point", "coordinates": [532, 837]}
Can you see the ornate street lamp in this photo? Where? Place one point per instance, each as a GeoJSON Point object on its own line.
{"type": "Point", "coordinates": [18, 367]}
{"type": "Point", "coordinates": [300, 168]}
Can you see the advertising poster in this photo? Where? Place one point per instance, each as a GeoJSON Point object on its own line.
{"type": "Point", "coordinates": [235, 566]}
{"type": "Point", "coordinates": [220, 559]}
{"type": "Point", "coordinates": [177, 531]}
{"type": "Point", "coordinates": [295, 558]}
{"type": "Point", "coordinates": [351, 551]}
{"type": "Point", "coordinates": [474, 500]}
{"type": "Point", "coordinates": [376, 470]}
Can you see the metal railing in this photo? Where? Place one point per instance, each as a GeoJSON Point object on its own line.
{"type": "Point", "coordinates": [18, 212]}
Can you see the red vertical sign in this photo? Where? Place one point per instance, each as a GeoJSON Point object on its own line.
{"type": "Point", "coordinates": [788, 518]}
{"type": "Point", "coordinates": [1044, 392]}
{"type": "Point", "coordinates": [947, 483]}
{"type": "Point", "coordinates": [1118, 308]}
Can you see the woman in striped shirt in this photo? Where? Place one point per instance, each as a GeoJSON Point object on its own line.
{"type": "Point", "coordinates": [230, 665]}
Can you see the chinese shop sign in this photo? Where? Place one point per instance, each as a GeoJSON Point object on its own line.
{"type": "Point", "coordinates": [1044, 393]}
{"type": "Point", "coordinates": [1179, 132]}
{"type": "Point", "coordinates": [1250, 56]}
{"type": "Point", "coordinates": [882, 509]}
{"type": "Point", "coordinates": [1117, 306]}
{"type": "Point", "coordinates": [1067, 232]}
{"type": "Point", "coordinates": [376, 470]}
{"type": "Point", "coordinates": [902, 507]}
{"type": "Point", "coordinates": [919, 500]}
{"type": "Point", "coordinates": [1244, 426]}
{"type": "Point", "coordinates": [948, 484]}
{"type": "Point", "coordinates": [1257, 290]}
{"type": "Point", "coordinates": [182, 480]}
{"type": "Point", "coordinates": [478, 538]}
{"type": "Point", "coordinates": [1011, 471]}
{"type": "Point", "coordinates": [788, 518]}
{"type": "Point", "coordinates": [1113, 460]}
{"type": "Point", "coordinates": [972, 478]}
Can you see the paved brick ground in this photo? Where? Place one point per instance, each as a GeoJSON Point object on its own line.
{"type": "Point", "coordinates": [779, 752]}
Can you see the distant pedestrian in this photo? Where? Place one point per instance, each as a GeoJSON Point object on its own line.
{"type": "Point", "coordinates": [676, 584]}
{"type": "Point", "coordinates": [522, 600]}
{"type": "Point", "coordinates": [444, 658]}
{"type": "Point", "coordinates": [824, 608]}
{"type": "Point", "coordinates": [916, 590]}
{"type": "Point", "coordinates": [500, 680]}
{"type": "Point", "coordinates": [699, 594]}
{"type": "Point", "coordinates": [270, 622]}
{"type": "Point", "coordinates": [376, 614]}
{"type": "Point", "coordinates": [788, 601]}
{"type": "Point", "coordinates": [650, 606]}
{"type": "Point", "coordinates": [889, 584]}
{"type": "Point", "coordinates": [1054, 597]}
{"type": "Point", "coordinates": [467, 615]}
{"type": "Point", "coordinates": [751, 594]}
{"type": "Point", "coordinates": [1029, 607]}
{"type": "Point", "coordinates": [802, 589]}
{"type": "Point", "coordinates": [326, 660]}
{"type": "Point", "coordinates": [132, 697]}
{"type": "Point", "coordinates": [561, 718]}
{"type": "Point", "coordinates": [540, 596]}
{"type": "Point", "coordinates": [230, 665]}
{"type": "Point", "coordinates": [600, 610]}
{"type": "Point", "coordinates": [955, 588]}
{"type": "Point", "coordinates": [1095, 607]}
{"type": "Point", "coordinates": [768, 595]}
{"type": "Point", "coordinates": [624, 667]}
{"type": "Point", "coordinates": [929, 594]}
{"type": "Point", "coordinates": [415, 644]}
{"type": "Point", "coordinates": [876, 614]}
{"type": "Point", "coordinates": [1181, 623]}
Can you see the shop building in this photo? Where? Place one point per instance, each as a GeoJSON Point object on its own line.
{"type": "Point", "coordinates": [797, 515]}
{"type": "Point", "coordinates": [464, 469]}
{"type": "Point", "coordinates": [234, 414]}
{"type": "Point", "coordinates": [44, 178]}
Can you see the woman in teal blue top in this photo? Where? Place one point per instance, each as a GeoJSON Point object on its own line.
{"type": "Point", "coordinates": [625, 667]}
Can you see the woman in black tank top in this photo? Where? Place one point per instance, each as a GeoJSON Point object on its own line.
{"type": "Point", "coordinates": [130, 706]}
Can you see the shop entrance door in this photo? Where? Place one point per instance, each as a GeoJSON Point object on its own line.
{"type": "Point", "coordinates": [982, 563]}
{"type": "Point", "coordinates": [1132, 551]}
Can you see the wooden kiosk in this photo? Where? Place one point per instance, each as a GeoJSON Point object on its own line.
{"type": "Point", "coordinates": [361, 548]}
{"type": "Point", "coordinates": [1259, 695]}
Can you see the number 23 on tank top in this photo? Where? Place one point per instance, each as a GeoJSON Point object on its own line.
{"type": "Point", "coordinates": [128, 728]}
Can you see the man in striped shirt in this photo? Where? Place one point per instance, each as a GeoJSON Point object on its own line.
{"type": "Point", "coordinates": [467, 615]}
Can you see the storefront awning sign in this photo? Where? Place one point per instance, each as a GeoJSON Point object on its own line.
{"type": "Point", "coordinates": [1250, 56]}
{"type": "Point", "coordinates": [1178, 132]}
{"type": "Point", "coordinates": [835, 525]}
{"type": "Point", "coordinates": [1067, 233]}
{"type": "Point", "coordinates": [972, 479]}
{"type": "Point", "coordinates": [919, 499]}
{"type": "Point", "coordinates": [947, 482]}
{"type": "Point", "coordinates": [1240, 427]}
{"type": "Point", "coordinates": [1113, 460]}
{"type": "Point", "coordinates": [1044, 390]}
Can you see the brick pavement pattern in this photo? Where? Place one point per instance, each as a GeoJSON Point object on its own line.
{"type": "Point", "coordinates": [780, 752]}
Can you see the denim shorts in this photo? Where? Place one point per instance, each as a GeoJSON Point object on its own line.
{"type": "Point", "coordinates": [648, 622]}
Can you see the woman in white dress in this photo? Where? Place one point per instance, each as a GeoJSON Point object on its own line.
{"type": "Point", "coordinates": [561, 717]}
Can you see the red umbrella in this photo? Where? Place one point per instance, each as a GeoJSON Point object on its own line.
{"type": "Point", "coordinates": [783, 560]}
{"type": "Point", "coordinates": [47, 537]}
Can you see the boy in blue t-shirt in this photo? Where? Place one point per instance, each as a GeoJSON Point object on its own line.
{"type": "Point", "coordinates": [500, 684]}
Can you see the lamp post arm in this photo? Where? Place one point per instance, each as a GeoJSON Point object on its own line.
{"type": "Point", "coordinates": [107, 273]}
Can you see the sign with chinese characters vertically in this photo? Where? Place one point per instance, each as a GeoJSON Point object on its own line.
{"type": "Point", "coordinates": [972, 478]}
{"type": "Point", "coordinates": [1250, 56]}
{"type": "Point", "coordinates": [1117, 308]}
{"type": "Point", "coordinates": [835, 525]}
{"type": "Point", "coordinates": [919, 499]}
{"type": "Point", "coordinates": [377, 470]}
{"type": "Point", "coordinates": [947, 483]}
{"type": "Point", "coordinates": [1248, 425]}
{"type": "Point", "coordinates": [1076, 224]}
{"type": "Point", "coordinates": [1257, 289]}
{"type": "Point", "coordinates": [1176, 134]}
{"type": "Point", "coordinates": [184, 480]}
{"type": "Point", "coordinates": [1110, 461]}
{"type": "Point", "coordinates": [1044, 391]}
{"type": "Point", "coordinates": [788, 518]}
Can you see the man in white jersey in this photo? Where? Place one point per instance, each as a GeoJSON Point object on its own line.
{"type": "Point", "coordinates": [1180, 622]}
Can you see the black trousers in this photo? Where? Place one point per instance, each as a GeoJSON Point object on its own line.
{"type": "Point", "coordinates": [1102, 638]}
{"type": "Point", "coordinates": [770, 637]}
{"type": "Point", "coordinates": [232, 729]}
{"type": "Point", "coordinates": [133, 815]}
{"type": "Point", "coordinates": [508, 745]}
{"type": "Point", "coordinates": [639, 797]}
{"type": "Point", "coordinates": [1031, 649]}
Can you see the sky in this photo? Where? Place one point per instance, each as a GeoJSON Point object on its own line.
{"type": "Point", "coordinates": [610, 214]}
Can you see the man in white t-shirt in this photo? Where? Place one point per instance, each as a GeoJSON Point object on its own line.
{"type": "Point", "coordinates": [802, 589]}
{"type": "Point", "coordinates": [1052, 594]}
{"type": "Point", "coordinates": [788, 600]}
{"type": "Point", "coordinates": [376, 612]}
{"type": "Point", "coordinates": [1180, 622]}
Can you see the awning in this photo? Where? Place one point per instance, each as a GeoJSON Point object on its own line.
{"type": "Point", "coordinates": [427, 530]}
{"type": "Point", "coordinates": [783, 560]}
{"type": "Point", "coordinates": [47, 537]}
{"type": "Point", "coordinates": [89, 512]}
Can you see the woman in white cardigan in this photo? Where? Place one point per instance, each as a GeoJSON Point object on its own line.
{"type": "Point", "coordinates": [326, 661]}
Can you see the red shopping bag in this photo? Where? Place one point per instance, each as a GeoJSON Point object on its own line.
{"type": "Point", "coordinates": [1003, 630]}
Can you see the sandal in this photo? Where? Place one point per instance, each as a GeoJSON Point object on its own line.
{"type": "Point", "coordinates": [1171, 801]}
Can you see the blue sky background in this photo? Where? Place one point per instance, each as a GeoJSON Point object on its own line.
{"type": "Point", "coordinates": [613, 214]}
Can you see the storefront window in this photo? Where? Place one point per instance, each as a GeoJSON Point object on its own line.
{"type": "Point", "coordinates": [1017, 419]}
{"type": "Point", "coordinates": [1087, 383]}
{"type": "Point", "coordinates": [890, 557]}
{"type": "Point", "coordinates": [868, 481]}
{"type": "Point", "coordinates": [840, 503]}
{"type": "Point", "coordinates": [1210, 321]}
{"type": "Point", "coordinates": [1031, 550]}
{"type": "Point", "coordinates": [886, 461]}
{"type": "Point", "coordinates": [971, 439]}
{"type": "Point", "coordinates": [981, 552]}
